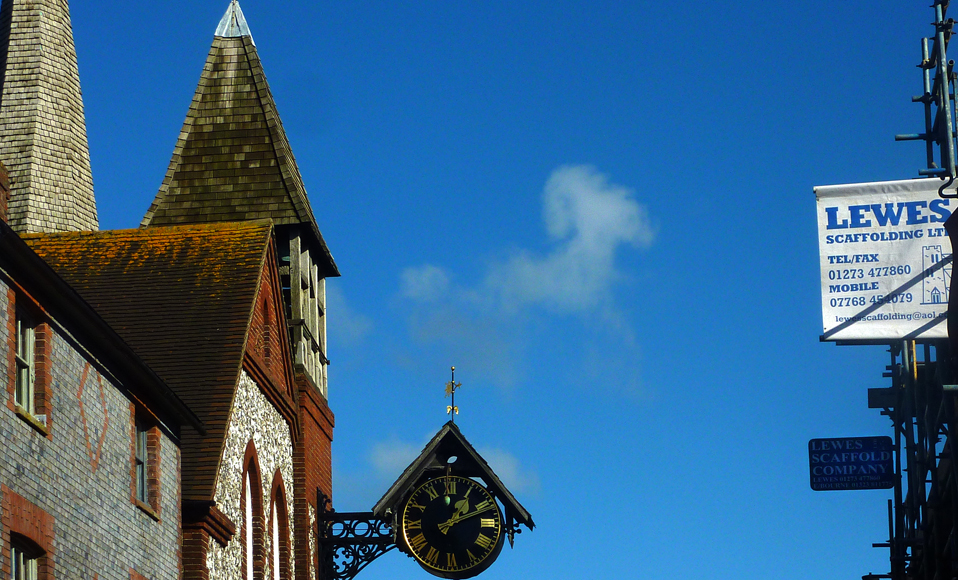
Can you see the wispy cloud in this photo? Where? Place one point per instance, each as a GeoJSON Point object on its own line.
{"type": "Point", "coordinates": [389, 458]}
{"type": "Point", "coordinates": [424, 283]}
{"type": "Point", "coordinates": [588, 221]}
{"type": "Point", "coordinates": [515, 476]}
{"type": "Point", "coordinates": [351, 326]}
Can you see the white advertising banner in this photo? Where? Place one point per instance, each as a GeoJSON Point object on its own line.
{"type": "Point", "coordinates": [885, 260]}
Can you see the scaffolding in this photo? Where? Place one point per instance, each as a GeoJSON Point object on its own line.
{"type": "Point", "coordinates": [922, 516]}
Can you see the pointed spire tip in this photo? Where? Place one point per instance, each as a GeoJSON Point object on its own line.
{"type": "Point", "coordinates": [233, 24]}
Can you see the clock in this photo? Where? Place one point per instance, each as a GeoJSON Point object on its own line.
{"type": "Point", "coordinates": [452, 526]}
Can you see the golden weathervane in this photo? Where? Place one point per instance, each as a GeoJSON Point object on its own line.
{"type": "Point", "coordinates": [451, 387]}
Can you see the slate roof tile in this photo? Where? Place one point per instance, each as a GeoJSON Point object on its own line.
{"type": "Point", "coordinates": [233, 142]}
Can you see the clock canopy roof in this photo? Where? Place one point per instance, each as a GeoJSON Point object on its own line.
{"type": "Point", "coordinates": [449, 442]}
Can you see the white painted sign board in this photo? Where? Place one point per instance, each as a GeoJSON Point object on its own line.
{"type": "Point", "coordinates": [885, 260]}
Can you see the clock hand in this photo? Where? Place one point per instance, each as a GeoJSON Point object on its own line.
{"type": "Point", "coordinates": [461, 506]}
{"type": "Point", "coordinates": [455, 519]}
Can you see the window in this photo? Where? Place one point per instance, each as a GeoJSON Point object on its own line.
{"type": "Point", "coordinates": [248, 526]}
{"type": "Point", "coordinates": [145, 469]}
{"type": "Point", "coordinates": [26, 371]}
{"type": "Point", "coordinates": [23, 559]}
{"type": "Point", "coordinates": [279, 530]}
{"type": "Point", "coordinates": [253, 528]}
{"type": "Point", "coordinates": [140, 458]}
{"type": "Point", "coordinates": [276, 540]}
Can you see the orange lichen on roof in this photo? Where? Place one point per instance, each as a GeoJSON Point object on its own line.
{"type": "Point", "coordinates": [182, 297]}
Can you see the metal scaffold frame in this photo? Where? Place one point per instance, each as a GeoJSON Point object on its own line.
{"type": "Point", "coordinates": [923, 515]}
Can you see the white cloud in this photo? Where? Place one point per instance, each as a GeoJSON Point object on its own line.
{"type": "Point", "coordinates": [588, 219]}
{"type": "Point", "coordinates": [351, 326]}
{"type": "Point", "coordinates": [425, 283]}
{"type": "Point", "coordinates": [513, 475]}
{"type": "Point", "coordinates": [390, 458]}
{"type": "Point", "coordinates": [487, 326]}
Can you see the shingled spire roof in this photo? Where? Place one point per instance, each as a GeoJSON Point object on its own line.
{"type": "Point", "coordinates": [232, 161]}
{"type": "Point", "coordinates": [43, 138]}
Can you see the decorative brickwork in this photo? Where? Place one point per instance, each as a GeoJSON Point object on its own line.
{"type": "Point", "coordinates": [42, 129]}
{"type": "Point", "coordinates": [93, 414]}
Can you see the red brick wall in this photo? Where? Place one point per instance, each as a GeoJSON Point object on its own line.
{"type": "Point", "coordinates": [196, 541]}
{"type": "Point", "coordinates": [312, 465]}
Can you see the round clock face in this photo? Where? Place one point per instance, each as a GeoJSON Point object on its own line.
{"type": "Point", "coordinates": [453, 527]}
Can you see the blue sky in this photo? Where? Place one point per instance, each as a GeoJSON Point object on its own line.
{"type": "Point", "coordinates": [602, 214]}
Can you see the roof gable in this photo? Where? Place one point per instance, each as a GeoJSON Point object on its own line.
{"type": "Point", "coordinates": [183, 298]}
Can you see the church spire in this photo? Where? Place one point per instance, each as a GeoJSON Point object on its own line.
{"type": "Point", "coordinates": [43, 138]}
{"type": "Point", "coordinates": [233, 162]}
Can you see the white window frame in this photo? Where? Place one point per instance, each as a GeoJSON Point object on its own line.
{"type": "Point", "coordinates": [23, 562]}
{"type": "Point", "coordinates": [24, 394]}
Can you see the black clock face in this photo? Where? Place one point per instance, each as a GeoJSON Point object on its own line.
{"type": "Point", "coordinates": [453, 527]}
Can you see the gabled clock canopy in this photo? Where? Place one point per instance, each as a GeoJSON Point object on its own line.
{"type": "Point", "coordinates": [434, 461]}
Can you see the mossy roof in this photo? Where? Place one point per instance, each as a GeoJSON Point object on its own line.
{"type": "Point", "coordinates": [183, 298]}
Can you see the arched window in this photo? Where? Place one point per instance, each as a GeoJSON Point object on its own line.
{"type": "Point", "coordinates": [279, 530]}
{"type": "Point", "coordinates": [252, 508]}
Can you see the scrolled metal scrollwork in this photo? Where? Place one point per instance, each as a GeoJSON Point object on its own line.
{"type": "Point", "coordinates": [349, 541]}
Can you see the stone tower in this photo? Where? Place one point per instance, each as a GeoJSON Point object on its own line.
{"type": "Point", "coordinates": [43, 138]}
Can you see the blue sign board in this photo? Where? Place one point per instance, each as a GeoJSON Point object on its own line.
{"type": "Point", "coordinates": [851, 463]}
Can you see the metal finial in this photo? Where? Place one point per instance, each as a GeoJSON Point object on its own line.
{"type": "Point", "coordinates": [452, 410]}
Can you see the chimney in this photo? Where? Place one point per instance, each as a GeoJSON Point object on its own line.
{"type": "Point", "coordinates": [4, 192]}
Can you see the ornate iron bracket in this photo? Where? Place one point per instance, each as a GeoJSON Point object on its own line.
{"type": "Point", "coordinates": [347, 542]}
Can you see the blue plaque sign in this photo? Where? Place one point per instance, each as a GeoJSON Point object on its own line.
{"type": "Point", "coordinates": [851, 463]}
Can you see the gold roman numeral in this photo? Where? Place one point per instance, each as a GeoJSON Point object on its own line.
{"type": "Point", "coordinates": [487, 522]}
{"type": "Point", "coordinates": [416, 505]}
{"type": "Point", "coordinates": [484, 505]}
{"type": "Point", "coordinates": [433, 494]}
{"type": "Point", "coordinates": [468, 491]}
{"type": "Point", "coordinates": [432, 556]}
{"type": "Point", "coordinates": [451, 561]}
{"type": "Point", "coordinates": [417, 543]}
{"type": "Point", "coordinates": [471, 557]}
{"type": "Point", "coordinates": [450, 487]}
{"type": "Point", "coordinates": [484, 542]}
{"type": "Point", "coordinates": [416, 525]}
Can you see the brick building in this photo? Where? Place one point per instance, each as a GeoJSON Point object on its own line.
{"type": "Point", "coordinates": [137, 445]}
